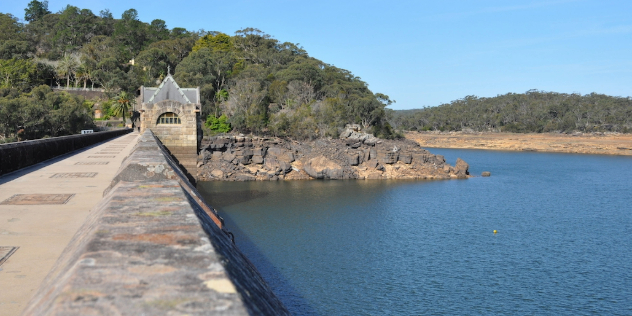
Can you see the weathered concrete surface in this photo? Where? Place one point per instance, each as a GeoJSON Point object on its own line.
{"type": "Point", "coordinates": [43, 231]}
{"type": "Point", "coordinates": [153, 247]}
{"type": "Point", "coordinates": [14, 156]}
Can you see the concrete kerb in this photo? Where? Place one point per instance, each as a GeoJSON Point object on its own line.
{"type": "Point", "coordinates": [152, 247]}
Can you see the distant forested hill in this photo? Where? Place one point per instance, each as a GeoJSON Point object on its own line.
{"type": "Point", "coordinates": [261, 84]}
{"type": "Point", "coordinates": [532, 111]}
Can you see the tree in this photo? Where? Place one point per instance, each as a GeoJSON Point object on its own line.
{"type": "Point", "coordinates": [16, 73]}
{"type": "Point", "coordinates": [215, 42]}
{"type": "Point", "coordinates": [153, 62]}
{"type": "Point", "coordinates": [218, 124]}
{"type": "Point", "coordinates": [10, 28]}
{"type": "Point", "coordinates": [176, 49]}
{"type": "Point", "coordinates": [158, 31]}
{"type": "Point", "coordinates": [41, 34]}
{"type": "Point", "coordinates": [74, 28]}
{"type": "Point", "coordinates": [9, 108]}
{"type": "Point", "coordinates": [83, 74]}
{"type": "Point", "coordinates": [244, 105]}
{"type": "Point", "coordinates": [130, 34]}
{"type": "Point", "coordinates": [179, 32]}
{"type": "Point", "coordinates": [67, 67]}
{"type": "Point", "coordinates": [122, 105]}
{"type": "Point", "coordinates": [304, 69]}
{"type": "Point", "coordinates": [208, 70]}
{"type": "Point", "coordinates": [106, 22]}
{"type": "Point", "coordinates": [15, 49]}
{"type": "Point", "coordinates": [36, 10]}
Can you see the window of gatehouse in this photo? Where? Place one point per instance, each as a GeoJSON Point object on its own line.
{"type": "Point", "coordinates": [169, 118]}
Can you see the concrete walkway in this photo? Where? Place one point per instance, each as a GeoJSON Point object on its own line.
{"type": "Point", "coordinates": [41, 208]}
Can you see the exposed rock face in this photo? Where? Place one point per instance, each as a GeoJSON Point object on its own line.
{"type": "Point", "coordinates": [356, 156]}
{"type": "Point", "coordinates": [461, 168]}
{"type": "Point", "coordinates": [323, 168]}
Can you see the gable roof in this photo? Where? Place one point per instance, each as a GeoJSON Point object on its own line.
{"type": "Point", "coordinates": [169, 90]}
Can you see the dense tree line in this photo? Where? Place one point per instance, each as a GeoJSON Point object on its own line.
{"type": "Point", "coordinates": [260, 84]}
{"type": "Point", "coordinates": [530, 112]}
{"type": "Point", "coordinates": [41, 112]}
{"type": "Point", "coordinates": [266, 86]}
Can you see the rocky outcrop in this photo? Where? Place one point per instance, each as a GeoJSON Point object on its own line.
{"type": "Point", "coordinates": [461, 168]}
{"type": "Point", "coordinates": [356, 155]}
{"type": "Point", "coordinates": [323, 168]}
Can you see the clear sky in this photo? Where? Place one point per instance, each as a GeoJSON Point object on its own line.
{"type": "Point", "coordinates": [424, 53]}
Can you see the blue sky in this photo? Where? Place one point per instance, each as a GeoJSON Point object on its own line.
{"type": "Point", "coordinates": [424, 53]}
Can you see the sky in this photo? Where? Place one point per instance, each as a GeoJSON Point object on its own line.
{"type": "Point", "coordinates": [425, 53]}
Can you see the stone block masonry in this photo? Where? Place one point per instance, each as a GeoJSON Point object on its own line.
{"type": "Point", "coordinates": [153, 247]}
{"type": "Point", "coordinates": [172, 114]}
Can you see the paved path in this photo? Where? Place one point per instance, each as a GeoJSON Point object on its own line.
{"type": "Point", "coordinates": [34, 217]}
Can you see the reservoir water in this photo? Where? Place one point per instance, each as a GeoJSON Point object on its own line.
{"type": "Point", "coordinates": [563, 244]}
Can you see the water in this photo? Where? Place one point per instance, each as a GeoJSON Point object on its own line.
{"type": "Point", "coordinates": [563, 247]}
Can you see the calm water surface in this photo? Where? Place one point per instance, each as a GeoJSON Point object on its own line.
{"type": "Point", "coordinates": [563, 247]}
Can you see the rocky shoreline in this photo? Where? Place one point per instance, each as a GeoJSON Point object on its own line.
{"type": "Point", "coordinates": [355, 155]}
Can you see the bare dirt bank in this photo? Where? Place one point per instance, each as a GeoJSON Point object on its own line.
{"type": "Point", "coordinates": [602, 144]}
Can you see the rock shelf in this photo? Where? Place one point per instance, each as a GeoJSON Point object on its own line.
{"type": "Point", "coordinates": [354, 156]}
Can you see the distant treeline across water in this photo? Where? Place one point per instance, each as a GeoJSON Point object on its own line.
{"type": "Point", "coordinates": [530, 112]}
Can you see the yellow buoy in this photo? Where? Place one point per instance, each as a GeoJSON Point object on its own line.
{"type": "Point", "coordinates": [495, 231]}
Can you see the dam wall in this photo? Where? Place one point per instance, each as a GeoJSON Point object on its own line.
{"type": "Point", "coordinates": [18, 155]}
{"type": "Point", "coordinates": [152, 246]}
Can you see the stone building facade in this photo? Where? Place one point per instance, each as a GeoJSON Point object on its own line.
{"type": "Point", "coordinates": [172, 114]}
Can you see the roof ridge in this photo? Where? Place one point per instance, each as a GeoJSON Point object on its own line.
{"type": "Point", "coordinates": [162, 84]}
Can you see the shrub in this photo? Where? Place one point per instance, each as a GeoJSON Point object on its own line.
{"type": "Point", "coordinates": [217, 124]}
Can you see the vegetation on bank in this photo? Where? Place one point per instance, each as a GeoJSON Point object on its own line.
{"type": "Point", "coordinates": [530, 112]}
{"type": "Point", "coordinates": [259, 84]}
{"type": "Point", "coordinates": [40, 113]}
{"type": "Point", "coordinates": [249, 82]}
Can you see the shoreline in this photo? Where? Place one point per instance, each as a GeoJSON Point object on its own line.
{"type": "Point", "coordinates": [595, 144]}
{"type": "Point", "coordinates": [355, 156]}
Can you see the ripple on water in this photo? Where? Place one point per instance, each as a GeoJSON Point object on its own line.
{"type": "Point", "coordinates": [427, 247]}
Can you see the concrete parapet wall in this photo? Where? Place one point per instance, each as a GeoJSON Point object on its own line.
{"type": "Point", "coordinates": [14, 156]}
{"type": "Point", "coordinates": [153, 247]}
{"type": "Point", "coordinates": [88, 94]}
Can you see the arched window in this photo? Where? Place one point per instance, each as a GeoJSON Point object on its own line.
{"type": "Point", "coordinates": [169, 118]}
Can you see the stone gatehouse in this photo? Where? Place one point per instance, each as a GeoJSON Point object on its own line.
{"type": "Point", "coordinates": [172, 114]}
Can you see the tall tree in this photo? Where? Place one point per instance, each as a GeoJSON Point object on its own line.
{"type": "Point", "coordinates": [177, 49]}
{"type": "Point", "coordinates": [10, 28]}
{"type": "Point", "coordinates": [106, 22]}
{"type": "Point", "coordinates": [15, 49]}
{"type": "Point", "coordinates": [74, 28]}
{"type": "Point", "coordinates": [130, 33]}
{"type": "Point", "coordinates": [153, 62]}
{"type": "Point", "coordinates": [157, 31]}
{"type": "Point", "coordinates": [36, 10]}
{"type": "Point", "coordinates": [16, 73]}
{"type": "Point", "coordinates": [66, 67]}
{"type": "Point", "coordinates": [123, 102]}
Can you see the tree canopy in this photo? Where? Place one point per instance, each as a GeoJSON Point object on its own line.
{"type": "Point", "coordinates": [530, 112]}
{"type": "Point", "coordinates": [41, 112]}
{"type": "Point", "coordinates": [259, 84]}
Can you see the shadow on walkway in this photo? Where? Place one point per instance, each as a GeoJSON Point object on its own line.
{"type": "Point", "coordinates": [24, 171]}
